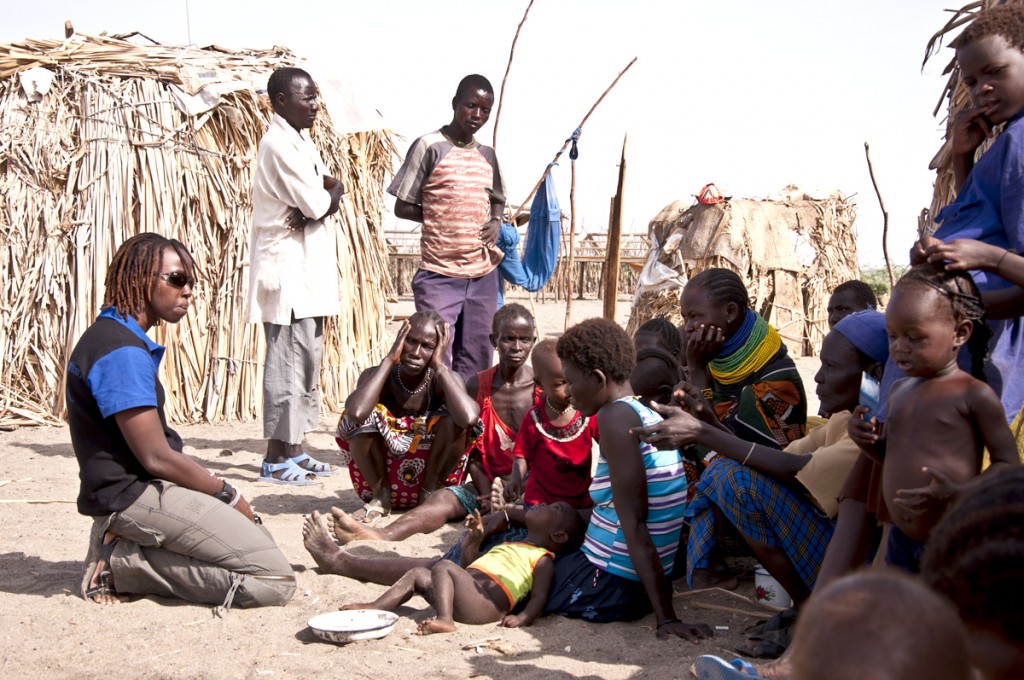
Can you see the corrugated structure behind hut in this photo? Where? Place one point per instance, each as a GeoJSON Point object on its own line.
{"type": "Point", "coordinates": [107, 152]}
{"type": "Point", "coordinates": [790, 254]}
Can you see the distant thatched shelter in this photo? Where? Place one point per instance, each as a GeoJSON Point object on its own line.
{"type": "Point", "coordinates": [954, 99]}
{"type": "Point", "coordinates": [789, 252]}
{"type": "Point", "coordinates": [102, 138]}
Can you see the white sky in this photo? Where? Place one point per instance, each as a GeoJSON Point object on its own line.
{"type": "Point", "coordinates": [748, 94]}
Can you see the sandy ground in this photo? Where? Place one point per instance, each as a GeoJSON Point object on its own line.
{"type": "Point", "coordinates": [50, 631]}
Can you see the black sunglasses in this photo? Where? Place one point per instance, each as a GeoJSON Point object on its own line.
{"type": "Point", "coordinates": [177, 279]}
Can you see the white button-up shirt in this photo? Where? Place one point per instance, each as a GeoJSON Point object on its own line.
{"type": "Point", "coordinates": [290, 271]}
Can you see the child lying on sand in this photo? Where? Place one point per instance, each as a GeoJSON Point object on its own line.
{"type": "Point", "coordinates": [485, 590]}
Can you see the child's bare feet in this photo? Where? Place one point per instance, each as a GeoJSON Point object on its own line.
{"type": "Point", "coordinates": [100, 586]}
{"type": "Point", "coordinates": [346, 529]}
{"type": "Point", "coordinates": [431, 626]}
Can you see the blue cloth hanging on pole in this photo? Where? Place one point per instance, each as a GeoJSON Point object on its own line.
{"type": "Point", "coordinates": [543, 237]}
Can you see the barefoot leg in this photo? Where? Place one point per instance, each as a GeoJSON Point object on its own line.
{"type": "Point", "coordinates": [431, 626]}
{"type": "Point", "coordinates": [347, 529]}
{"type": "Point", "coordinates": [446, 449]}
{"type": "Point", "coordinates": [367, 451]}
{"type": "Point", "coordinates": [333, 560]}
{"type": "Point", "coordinates": [439, 509]}
{"type": "Point", "coordinates": [412, 582]}
{"type": "Point", "coordinates": [458, 595]}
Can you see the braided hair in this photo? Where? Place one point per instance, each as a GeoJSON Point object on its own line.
{"type": "Point", "coordinates": [665, 333]}
{"type": "Point", "coordinates": [975, 555]}
{"type": "Point", "coordinates": [959, 289]}
{"type": "Point", "coordinates": [722, 286]}
{"type": "Point", "coordinates": [1005, 20]}
{"type": "Point", "coordinates": [128, 287]}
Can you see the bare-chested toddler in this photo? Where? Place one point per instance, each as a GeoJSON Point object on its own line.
{"type": "Point", "coordinates": [941, 418]}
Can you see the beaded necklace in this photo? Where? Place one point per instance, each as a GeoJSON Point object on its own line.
{"type": "Point", "coordinates": [426, 380]}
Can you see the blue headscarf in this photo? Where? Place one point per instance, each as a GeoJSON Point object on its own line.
{"type": "Point", "coordinates": [866, 330]}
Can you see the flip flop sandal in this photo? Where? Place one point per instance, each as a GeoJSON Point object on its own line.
{"type": "Point", "coordinates": [373, 512]}
{"type": "Point", "coordinates": [710, 667]}
{"type": "Point", "coordinates": [766, 645]}
{"type": "Point", "coordinates": [292, 474]}
{"type": "Point", "coordinates": [310, 464]}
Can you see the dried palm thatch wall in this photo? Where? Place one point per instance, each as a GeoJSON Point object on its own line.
{"type": "Point", "coordinates": [105, 154]}
{"type": "Point", "coordinates": [954, 99]}
{"type": "Point", "coordinates": [790, 254]}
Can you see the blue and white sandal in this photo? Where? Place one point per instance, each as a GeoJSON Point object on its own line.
{"type": "Point", "coordinates": [292, 474]}
{"type": "Point", "coordinates": [310, 464]}
{"type": "Point", "coordinates": [710, 667]}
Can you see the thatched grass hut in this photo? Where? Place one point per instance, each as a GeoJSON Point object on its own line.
{"type": "Point", "coordinates": [102, 138]}
{"type": "Point", "coordinates": [789, 252]}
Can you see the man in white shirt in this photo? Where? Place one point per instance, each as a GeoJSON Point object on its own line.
{"type": "Point", "coordinates": [293, 278]}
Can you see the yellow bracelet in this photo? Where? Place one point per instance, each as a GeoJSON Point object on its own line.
{"type": "Point", "coordinates": [748, 454]}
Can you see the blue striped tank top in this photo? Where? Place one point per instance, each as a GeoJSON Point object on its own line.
{"type": "Point", "coordinates": [605, 543]}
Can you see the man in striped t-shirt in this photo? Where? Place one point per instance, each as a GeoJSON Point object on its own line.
{"type": "Point", "coordinates": [452, 185]}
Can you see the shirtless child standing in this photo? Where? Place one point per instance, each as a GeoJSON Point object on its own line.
{"type": "Point", "coordinates": [941, 418]}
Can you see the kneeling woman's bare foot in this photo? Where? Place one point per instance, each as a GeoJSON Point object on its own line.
{"type": "Point", "coordinates": [431, 626]}
{"type": "Point", "coordinates": [100, 588]}
{"type": "Point", "coordinates": [346, 529]}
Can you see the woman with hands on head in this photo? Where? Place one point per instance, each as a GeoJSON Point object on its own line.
{"type": "Point", "coordinates": [405, 423]}
{"type": "Point", "coordinates": [499, 398]}
{"type": "Point", "coordinates": [739, 363]}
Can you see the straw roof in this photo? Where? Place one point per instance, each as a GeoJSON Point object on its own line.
{"type": "Point", "coordinates": [789, 252]}
{"type": "Point", "coordinates": [108, 151]}
{"type": "Point", "coordinates": [954, 98]}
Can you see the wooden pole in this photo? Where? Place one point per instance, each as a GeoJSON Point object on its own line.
{"type": "Point", "coordinates": [885, 218]}
{"type": "Point", "coordinates": [568, 141]}
{"type": "Point", "coordinates": [572, 244]}
{"type": "Point", "coordinates": [501, 95]}
{"type": "Point", "coordinates": [611, 265]}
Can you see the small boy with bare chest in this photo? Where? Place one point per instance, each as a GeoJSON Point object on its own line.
{"type": "Point", "coordinates": [941, 418]}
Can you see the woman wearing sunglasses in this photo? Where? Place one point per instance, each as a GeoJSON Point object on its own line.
{"type": "Point", "coordinates": [162, 524]}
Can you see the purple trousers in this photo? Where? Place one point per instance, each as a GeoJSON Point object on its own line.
{"type": "Point", "coordinates": [468, 306]}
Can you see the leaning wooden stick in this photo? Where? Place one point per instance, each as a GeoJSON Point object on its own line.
{"type": "Point", "coordinates": [501, 95]}
{"type": "Point", "coordinates": [572, 246]}
{"type": "Point", "coordinates": [885, 218]}
{"type": "Point", "coordinates": [611, 265]}
{"type": "Point", "coordinates": [569, 141]}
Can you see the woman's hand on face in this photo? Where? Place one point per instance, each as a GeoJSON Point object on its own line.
{"type": "Point", "coordinates": [395, 353]}
{"type": "Point", "coordinates": [678, 429]}
{"type": "Point", "coordinates": [703, 346]}
{"type": "Point", "coordinates": [444, 338]}
{"type": "Point", "coordinates": [688, 631]}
